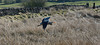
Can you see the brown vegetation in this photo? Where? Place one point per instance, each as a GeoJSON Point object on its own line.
{"type": "Point", "coordinates": [74, 27]}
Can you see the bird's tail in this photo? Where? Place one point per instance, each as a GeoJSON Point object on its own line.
{"type": "Point", "coordinates": [38, 25]}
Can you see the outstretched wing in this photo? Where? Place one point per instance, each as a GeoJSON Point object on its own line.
{"type": "Point", "coordinates": [50, 23]}
{"type": "Point", "coordinates": [47, 18]}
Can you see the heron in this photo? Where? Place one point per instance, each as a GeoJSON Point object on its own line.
{"type": "Point", "coordinates": [45, 22]}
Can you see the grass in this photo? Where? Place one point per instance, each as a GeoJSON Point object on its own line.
{"type": "Point", "coordinates": [71, 28]}
{"type": "Point", "coordinates": [10, 5]}
{"type": "Point", "coordinates": [53, 3]}
{"type": "Point", "coordinates": [84, 3]}
{"type": "Point", "coordinates": [74, 3]}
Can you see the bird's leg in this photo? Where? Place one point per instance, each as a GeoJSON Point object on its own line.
{"type": "Point", "coordinates": [46, 31]}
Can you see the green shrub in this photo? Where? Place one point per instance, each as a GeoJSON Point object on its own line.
{"type": "Point", "coordinates": [8, 1]}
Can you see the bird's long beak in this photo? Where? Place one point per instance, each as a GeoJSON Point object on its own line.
{"type": "Point", "coordinates": [54, 22]}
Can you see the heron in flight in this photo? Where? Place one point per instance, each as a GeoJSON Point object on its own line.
{"type": "Point", "coordinates": [45, 22]}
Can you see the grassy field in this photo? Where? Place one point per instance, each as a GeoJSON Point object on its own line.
{"type": "Point", "coordinates": [10, 5]}
{"type": "Point", "coordinates": [74, 3]}
{"type": "Point", "coordinates": [54, 3]}
{"type": "Point", "coordinates": [73, 27]}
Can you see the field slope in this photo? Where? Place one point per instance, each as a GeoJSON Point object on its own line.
{"type": "Point", "coordinates": [53, 3]}
{"type": "Point", "coordinates": [74, 26]}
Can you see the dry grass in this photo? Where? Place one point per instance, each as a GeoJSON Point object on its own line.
{"type": "Point", "coordinates": [70, 28]}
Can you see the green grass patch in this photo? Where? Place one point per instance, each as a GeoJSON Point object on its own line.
{"type": "Point", "coordinates": [52, 3]}
{"type": "Point", "coordinates": [10, 5]}
{"type": "Point", "coordinates": [73, 3]}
